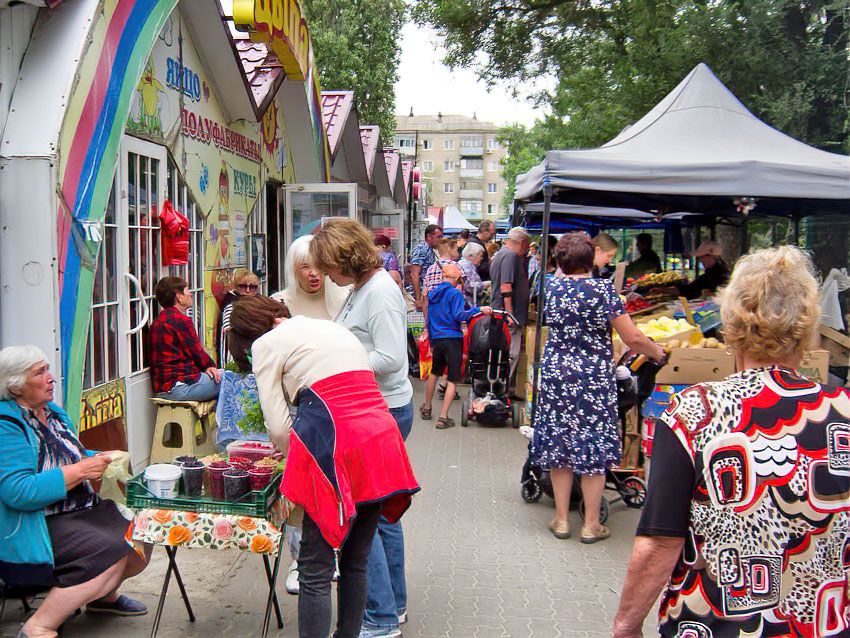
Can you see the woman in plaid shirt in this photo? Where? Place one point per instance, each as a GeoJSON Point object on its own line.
{"type": "Point", "coordinates": [180, 368]}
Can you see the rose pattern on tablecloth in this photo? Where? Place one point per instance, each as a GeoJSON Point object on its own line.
{"type": "Point", "coordinates": [213, 531]}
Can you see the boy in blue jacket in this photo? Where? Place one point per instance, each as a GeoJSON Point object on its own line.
{"type": "Point", "coordinates": [445, 315]}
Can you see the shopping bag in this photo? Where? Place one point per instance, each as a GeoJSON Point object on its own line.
{"type": "Point", "coordinates": [424, 355]}
{"type": "Point", "coordinates": [115, 477]}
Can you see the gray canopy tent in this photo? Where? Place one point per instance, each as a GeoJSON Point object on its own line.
{"type": "Point", "coordinates": [698, 151]}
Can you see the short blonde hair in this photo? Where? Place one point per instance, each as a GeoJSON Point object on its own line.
{"type": "Point", "coordinates": [771, 309]}
{"type": "Point", "coordinates": [348, 245]}
{"type": "Point", "coordinates": [446, 246]}
{"type": "Point", "coordinates": [245, 276]}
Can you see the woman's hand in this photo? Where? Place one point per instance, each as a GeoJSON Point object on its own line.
{"type": "Point", "coordinates": [88, 469]}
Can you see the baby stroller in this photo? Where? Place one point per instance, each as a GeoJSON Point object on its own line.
{"type": "Point", "coordinates": [635, 383]}
{"type": "Point", "coordinates": [489, 366]}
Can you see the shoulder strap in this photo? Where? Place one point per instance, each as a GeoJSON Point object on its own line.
{"type": "Point", "coordinates": [17, 422]}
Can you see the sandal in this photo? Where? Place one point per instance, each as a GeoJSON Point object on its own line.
{"type": "Point", "coordinates": [590, 535]}
{"type": "Point", "coordinates": [425, 413]}
{"type": "Point", "coordinates": [444, 423]}
{"type": "Point", "coordinates": [560, 529]}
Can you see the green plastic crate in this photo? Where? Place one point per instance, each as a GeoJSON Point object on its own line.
{"type": "Point", "coordinates": [255, 503]}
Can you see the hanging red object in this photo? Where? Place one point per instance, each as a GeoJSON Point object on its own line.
{"type": "Point", "coordinates": [175, 236]}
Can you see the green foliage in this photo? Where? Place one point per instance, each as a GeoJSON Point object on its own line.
{"type": "Point", "coordinates": [356, 44]}
{"type": "Point", "coordinates": [613, 60]}
{"type": "Point", "coordinates": [253, 421]}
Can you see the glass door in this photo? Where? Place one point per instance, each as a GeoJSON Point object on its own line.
{"type": "Point", "coordinates": [308, 204]}
{"type": "Point", "coordinates": [123, 304]}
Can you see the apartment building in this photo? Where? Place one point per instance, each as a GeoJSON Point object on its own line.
{"type": "Point", "coordinates": [461, 161]}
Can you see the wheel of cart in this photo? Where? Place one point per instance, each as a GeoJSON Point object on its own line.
{"type": "Point", "coordinates": [531, 491]}
{"type": "Point", "coordinates": [464, 411]}
{"type": "Point", "coordinates": [603, 510]}
{"type": "Point", "coordinates": [633, 492]}
{"type": "Point", "coordinates": [516, 414]}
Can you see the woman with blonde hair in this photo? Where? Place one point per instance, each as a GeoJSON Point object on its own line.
{"type": "Point", "coordinates": [747, 516]}
{"type": "Point", "coordinates": [376, 313]}
{"type": "Point", "coordinates": [605, 249]}
{"type": "Point", "coordinates": [308, 292]}
{"type": "Point", "coordinates": [244, 282]}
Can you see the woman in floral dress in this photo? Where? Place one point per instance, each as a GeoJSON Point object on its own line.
{"type": "Point", "coordinates": [576, 429]}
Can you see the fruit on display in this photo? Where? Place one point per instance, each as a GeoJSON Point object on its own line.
{"type": "Point", "coordinates": [637, 303]}
{"type": "Point", "coordinates": [663, 327]}
{"type": "Point", "coordinates": [659, 279]}
{"type": "Point", "coordinates": [709, 344]}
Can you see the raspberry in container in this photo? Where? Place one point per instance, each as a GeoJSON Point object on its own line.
{"type": "Point", "coordinates": [251, 450]}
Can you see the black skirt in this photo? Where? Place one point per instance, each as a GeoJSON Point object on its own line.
{"type": "Point", "coordinates": [87, 542]}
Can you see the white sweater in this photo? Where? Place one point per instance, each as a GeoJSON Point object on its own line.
{"type": "Point", "coordinates": [377, 315]}
{"type": "Point", "coordinates": [295, 355]}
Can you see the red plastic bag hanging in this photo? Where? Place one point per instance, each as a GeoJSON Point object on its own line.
{"type": "Point", "coordinates": [425, 360]}
{"type": "Point", "coordinates": [175, 236]}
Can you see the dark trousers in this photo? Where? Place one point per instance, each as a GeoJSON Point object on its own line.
{"type": "Point", "coordinates": [316, 567]}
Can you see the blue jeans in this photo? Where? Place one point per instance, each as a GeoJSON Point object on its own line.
{"type": "Point", "coordinates": [386, 588]}
{"type": "Point", "coordinates": [204, 389]}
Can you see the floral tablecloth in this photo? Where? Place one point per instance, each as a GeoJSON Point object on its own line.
{"type": "Point", "coordinates": [212, 531]}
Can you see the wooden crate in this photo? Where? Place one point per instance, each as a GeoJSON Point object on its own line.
{"type": "Point", "coordinates": [837, 344]}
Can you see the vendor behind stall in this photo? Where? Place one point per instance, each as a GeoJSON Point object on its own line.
{"type": "Point", "coordinates": [647, 262]}
{"type": "Point", "coordinates": [716, 272]}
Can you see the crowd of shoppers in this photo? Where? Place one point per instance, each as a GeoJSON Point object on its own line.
{"type": "Point", "coordinates": [327, 357]}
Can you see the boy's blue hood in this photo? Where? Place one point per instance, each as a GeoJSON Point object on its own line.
{"type": "Point", "coordinates": [435, 295]}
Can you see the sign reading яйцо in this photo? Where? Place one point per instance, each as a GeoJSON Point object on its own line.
{"type": "Point", "coordinates": [280, 23]}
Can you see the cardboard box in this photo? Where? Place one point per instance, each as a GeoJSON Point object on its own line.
{"type": "Point", "coordinates": [695, 365]}
{"type": "Point", "coordinates": [815, 366]}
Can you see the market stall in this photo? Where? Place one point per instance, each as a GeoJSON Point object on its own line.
{"type": "Point", "coordinates": [699, 156]}
{"type": "Point", "coordinates": [223, 501]}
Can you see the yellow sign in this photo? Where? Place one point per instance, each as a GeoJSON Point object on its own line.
{"type": "Point", "coordinates": [282, 24]}
{"type": "Point", "coordinates": [103, 404]}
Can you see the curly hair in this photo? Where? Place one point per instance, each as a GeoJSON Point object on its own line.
{"type": "Point", "coordinates": [574, 253]}
{"type": "Point", "coordinates": [770, 309]}
{"type": "Point", "coordinates": [251, 318]}
{"type": "Point", "coordinates": [348, 245]}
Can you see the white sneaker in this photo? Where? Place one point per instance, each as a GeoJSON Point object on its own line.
{"type": "Point", "coordinates": [402, 618]}
{"type": "Point", "coordinates": [380, 633]}
{"type": "Point", "coordinates": [292, 586]}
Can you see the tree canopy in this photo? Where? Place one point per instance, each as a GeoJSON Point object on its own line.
{"type": "Point", "coordinates": [614, 59]}
{"type": "Point", "coordinates": [357, 47]}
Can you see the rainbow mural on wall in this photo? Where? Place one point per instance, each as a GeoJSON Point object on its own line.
{"type": "Point", "coordinates": [123, 36]}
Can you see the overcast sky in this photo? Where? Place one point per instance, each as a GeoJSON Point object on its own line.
{"type": "Point", "coordinates": [429, 87]}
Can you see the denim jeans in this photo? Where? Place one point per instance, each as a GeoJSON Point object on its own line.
{"type": "Point", "coordinates": [385, 580]}
{"type": "Point", "coordinates": [204, 389]}
{"type": "Point", "coordinates": [315, 570]}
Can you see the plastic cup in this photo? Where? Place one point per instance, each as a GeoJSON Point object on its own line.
{"type": "Point", "coordinates": [162, 478]}
{"type": "Point", "coordinates": [216, 471]}
{"type": "Point", "coordinates": [180, 460]}
{"type": "Point", "coordinates": [260, 477]}
{"type": "Point", "coordinates": [193, 479]}
{"type": "Point", "coordinates": [237, 484]}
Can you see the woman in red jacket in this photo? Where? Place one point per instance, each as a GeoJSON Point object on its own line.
{"type": "Point", "coordinates": [346, 461]}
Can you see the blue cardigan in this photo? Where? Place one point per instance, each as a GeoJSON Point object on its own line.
{"type": "Point", "coordinates": [24, 493]}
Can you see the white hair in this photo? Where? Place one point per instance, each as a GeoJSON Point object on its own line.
{"type": "Point", "coordinates": [15, 363]}
{"type": "Point", "coordinates": [518, 233]}
{"type": "Point", "coordinates": [298, 253]}
{"type": "Point", "coordinates": [471, 249]}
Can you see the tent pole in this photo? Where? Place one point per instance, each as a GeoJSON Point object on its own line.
{"type": "Point", "coordinates": [541, 295]}
{"type": "Point", "coordinates": [796, 230]}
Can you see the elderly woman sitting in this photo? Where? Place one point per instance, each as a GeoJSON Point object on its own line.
{"type": "Point", "coordinates": [57, 533]}
{"type": "Point", "coordinates": [473, 287]}
{"type": "Point", "coordinates": [748, 509]}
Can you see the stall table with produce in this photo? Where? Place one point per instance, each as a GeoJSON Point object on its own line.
{"type": "Point", "coordinates": [222, 501]}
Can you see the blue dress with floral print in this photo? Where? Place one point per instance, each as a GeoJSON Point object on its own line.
{"type": "Point", "coordinates": [576, 420]}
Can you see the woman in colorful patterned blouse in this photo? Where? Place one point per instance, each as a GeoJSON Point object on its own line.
{"type": "Point", "coordinates": [747, 520]}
